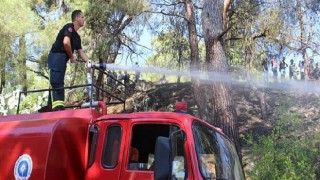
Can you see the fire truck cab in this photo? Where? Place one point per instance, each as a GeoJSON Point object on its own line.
{"type": "Point", "coordinates": [89, 144]}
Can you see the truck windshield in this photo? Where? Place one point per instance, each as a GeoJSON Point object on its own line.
{"type": "Point", "coordinates": [217, 156]}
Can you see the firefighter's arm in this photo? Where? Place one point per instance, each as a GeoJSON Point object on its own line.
{"type": "Point", "coordinates": [83, 55]}
{"type": "Point", "coordinates": [85, 58]}
{"type": "Point", "coordinates": [67, 47]}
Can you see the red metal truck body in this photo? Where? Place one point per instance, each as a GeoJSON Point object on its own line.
{"type": "Point", "coordinates": [60, 145]}
{"type": "Point", "coordinates": [56, 142]}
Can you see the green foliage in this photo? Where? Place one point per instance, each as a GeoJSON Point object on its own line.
{"type": "Point", "coordinates": [32, 103]}
{"type": "Point", "coordinates": [115, 25]}
{"type": "Point", "coordinates": [283, 154]}
{"type": "Point", "coordinates": [171, 49]}
{"type": "Point", "coordinates": [251, 19]}
{"type": "Point", "coordinates": [16, 18]}
{"type": "Point", "coordinates": [132, 8]}
{"type": "Point", "coordinates": [172, 52]}
{"type": "Point", "coordinates": [17, 22]}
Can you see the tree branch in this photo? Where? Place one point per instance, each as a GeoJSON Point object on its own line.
{"type": "Point", "coordinates": [168, 5]}
{"type": "Point", "coordinates": [38, 73]}
{"type": "Point", "coordinates": [294, 48]}
{"type": "Point", "coordinates": [259, 35]}
{"type": "Point", "coordinates": [234, 38]}
{"type": "Point", "coordinates": [122, 26]}
{"type": "Point", "coordinates": [38, 13]}
{"type": "Point", "coordinates": [134, 42]}
{"type": "Point", "coordinates": [253, 37]}
{"type": "Point", "coordinates": [166, 14]}
{"type": "Point", "coordinates": [223, 33]}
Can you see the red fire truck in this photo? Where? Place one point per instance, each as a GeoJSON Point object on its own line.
{"type": "Point", "coordinates": [88, 143]}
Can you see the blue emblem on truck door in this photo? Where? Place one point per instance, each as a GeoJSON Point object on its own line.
{"type": "Point", "coordinates": [23, 167]}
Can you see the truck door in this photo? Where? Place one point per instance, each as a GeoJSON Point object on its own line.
{"type": "Point", "coordinates": [139, 160]}
{"type": "Point", "coordinates": [109, 149]}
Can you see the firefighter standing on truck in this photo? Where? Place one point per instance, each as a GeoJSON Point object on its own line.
{"type": "Point", "coordinates": [62, 50]}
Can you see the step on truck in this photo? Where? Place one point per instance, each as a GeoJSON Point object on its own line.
{"type": "Point", "coordinates": [86, 143]}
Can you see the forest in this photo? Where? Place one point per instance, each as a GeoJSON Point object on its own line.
{"type": "Point", "coordinates": [225, 45]}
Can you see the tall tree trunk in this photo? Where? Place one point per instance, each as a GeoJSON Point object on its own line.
{"type": "Point", "coordinates": [226, 6]}
{"type": "Point", "coordinates": [3, 73]}
{"type": "Point", "coordinates": [224, 112]}
{"type": "Point", "coordinates": [23, 62]}
{"type": "Point", "coordinates": [198, 92]}
{"type": "Point", "coordinates": [303, 39]}
{"type": "Point", "coordinates": [179, 67]}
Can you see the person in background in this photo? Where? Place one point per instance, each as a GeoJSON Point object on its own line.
{"type": "Point", "coordinates": [282, 67]}
{"type": "Point", "coordinates": [138, 74]}
{"type": "Point", "coordinates": [310, 69]}
{"type": "Point", "coordinates": [126, 81]}
{"type": "Point", "coordinates": [62, 50]}
{"type": "Point", "coordinates": [274, 68]}
{"type": "Point", "coordinates": [123, 78]}
{"type": "Point", "coordinates": [114, 80]}
{"type": "Point", "coordinates": [301, 66]}
{"type": "Point", "coordinates": [315, 72]}
{"type": "Point", "coordinates": [163, 79]}
{"type": "Point", "coordinates": [295, 71]}
{"type": "Point", "coordinates": [109, 78]}
{"type": "Point", "coordinates": [264, 65]}
{"type": "Point", "coordinates": [126, 78]}
{"type": "Point", "coordinates": [120, 78]}
{"type": "Point", "coordinates": [291, 70]}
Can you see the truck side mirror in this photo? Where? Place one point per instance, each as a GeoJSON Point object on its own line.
{"type": "Point", "coordinates": [162, 159]}
{"type": "Point", "coordinates": [178, 134]}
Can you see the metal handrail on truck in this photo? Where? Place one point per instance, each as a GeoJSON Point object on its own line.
{"type": "Point", "coordinates": [101, 67]}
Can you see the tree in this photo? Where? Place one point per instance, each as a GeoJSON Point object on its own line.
{"type": "Point", "coordinates": [17, 22]}
{"type": "Point", "coordinates": [171, 51]}
{"type": "Point", "coordinates": [198, 91]}
{"type": "Point", "coordinates": [213, 24]}
{"type": "Point", "coordinates": [114, 27]}
{"type": "Point", "coordinates": [22, 61]}
{"type": "Point", "coordinates": [246, 39]}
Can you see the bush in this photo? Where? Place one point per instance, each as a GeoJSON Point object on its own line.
{"type": "Point", "coordinates": [283, 155]}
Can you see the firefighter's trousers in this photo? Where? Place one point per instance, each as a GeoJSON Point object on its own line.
{"type": "Point", "coordinates": [56, 96]}
{"type": "Point", "coordinates": [57, 69]}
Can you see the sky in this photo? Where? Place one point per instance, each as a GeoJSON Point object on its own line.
{"type": "Point", "coordinates": [145, 41]}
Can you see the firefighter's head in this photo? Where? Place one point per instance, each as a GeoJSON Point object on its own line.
{"type": "Point", "coordinates": [77, 17]}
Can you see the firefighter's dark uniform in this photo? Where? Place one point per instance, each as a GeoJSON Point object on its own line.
{"type": "Point", "coordinates": [57, 63]}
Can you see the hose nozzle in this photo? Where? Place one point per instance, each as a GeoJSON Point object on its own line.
{"type": "Point", "coordinates": [101, 66]}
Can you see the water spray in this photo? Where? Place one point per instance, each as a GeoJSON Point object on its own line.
{"type": "Point", "coordinates": [207, 78]}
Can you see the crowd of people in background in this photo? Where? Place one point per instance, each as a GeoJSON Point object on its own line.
{"type": "Point", "coordinates": [116, 79]}
{"type": "Point", "coordinates": [296, 72]}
